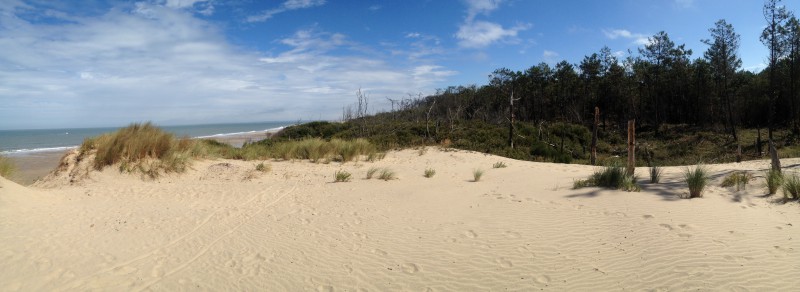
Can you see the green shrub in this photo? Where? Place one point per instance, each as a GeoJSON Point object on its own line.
{"type": "Point", "coordinates": [499, 165]}
{"type": "Point", "coordinates": [477, 174]}
{"type": "Point", "coordinates": [739, 179]}
{"type": "Point", "coordinates": [341, 176]}
{"type": "Point", "coordinates": [791, 187]}
{"type": "Point", "coordinates": [655, 174]}
{"type": "Point", "coordinates": [430, 172]}
{"type": "Point", "coordinates": [697, 179]}
{"type": "Point", "coordinates": [774, 180]}
{"type": "Point", "coordinates": [7, 167]}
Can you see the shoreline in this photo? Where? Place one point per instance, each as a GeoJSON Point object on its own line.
{"type": "Point", "coordinates": [35, 164]}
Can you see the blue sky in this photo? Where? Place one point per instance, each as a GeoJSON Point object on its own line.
{"type": "Point", "coordinates": [108, 63]}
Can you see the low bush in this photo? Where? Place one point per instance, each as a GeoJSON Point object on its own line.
{"type": "Point", "coordinates": [655, 174]}
{"type": "Point", "coordinates": [612, 176]}
{"type": "Point", "coordinates": [499, 165]}
{"type": "Point", "coordinates": [430, 172]}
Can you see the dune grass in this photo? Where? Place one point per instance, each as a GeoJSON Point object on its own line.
{"type": "Point", "coordinates": [371, 172]}
{"type": "Point", "coordinates": [7, 167]}
{"type": "Point", "coordinates": [655, 174]}
{"type": "Point", "coordinates": [429, 172]}
{"type": "Point", "coordinates": [387, 174]}
{"type": "Point", "coordinates": [791, 187]}
{"type": "Point", "coordinates": [739, 179]}
{"type": "Point", "coordinates": [144, 148]}
{"type": "Point", "coordinates": [773, 181]}
{"type": "Point", "coordinates": [697, 179]}
{"type": "Point", "coordinates": [477, 174]}
{"type": "Point", "coordinates": [499, 164]}
{"type": "Point", "coordinates": [341, 176]}
{"type": "Point", "coordinates": [612, 176]}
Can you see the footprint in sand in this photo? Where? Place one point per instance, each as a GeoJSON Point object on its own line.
{"type": "Point", "coordinates": [542, 279]}
{"type": "Point", "coordinates": [410, 268]}
{"type": "Point", "coordinates": [504, 263]}
{"type": "Point", "coordinates": [667, 226]}
{"type": "Point", "coordinates": [379, 252]}
{"type": "Point", "coordinates": [648, 216]}
{"type": "Point", "coordinates": [470, 234]}
{"type": "Point", "coordinates": [512, 234]}
{"type": "Point", "coordinates": [685, 235]}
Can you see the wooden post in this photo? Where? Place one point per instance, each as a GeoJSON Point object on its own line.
{"type": "Point", "coordinates": [594, 135]}
{"type": "Point", "coordinates": [511, 121]}
{"type": "Point", "coordinates": [631, 147]}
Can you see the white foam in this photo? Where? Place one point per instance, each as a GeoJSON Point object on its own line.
{"type": "Point", "coordinates": [37, 150]}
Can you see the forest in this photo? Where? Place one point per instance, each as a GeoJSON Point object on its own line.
{"type": "Point", "coordinates": [667, 92]}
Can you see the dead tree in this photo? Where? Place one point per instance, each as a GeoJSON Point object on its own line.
{"type": "Point", "coordinates": [594, 135]}
{"type": "Point", "coordinates": [631, 147]}
{"type": "Point", "coordinates": [511, 120]}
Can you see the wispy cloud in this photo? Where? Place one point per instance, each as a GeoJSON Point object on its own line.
{"type": "Point", "coordinates": [637, 38]}
{"type": "Point", "coordinates": [479, 34]}
{"type": "Point", "coordinates": [550, 57]}
{"type": "Point", "coordinates": [286, 6]}
{"type": "Point", "coordinates": [158, 63]}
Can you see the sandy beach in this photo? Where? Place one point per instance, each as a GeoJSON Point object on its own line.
{"type": "Point", "coordinates": [224, 226]}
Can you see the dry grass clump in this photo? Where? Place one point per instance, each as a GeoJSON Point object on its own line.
{"type": "Point", "coordinates": [263, 167]}
{"type": "Point", "coordinates": [7, 167]}
{"type": "Point", "coordinates": [739, 179]}
{"type": "Point", "coordinates": [655, 174]}
{"type": "Point", "coordinates": [697, 179]}
{"type": "Point", "coordinates": [791, 188]}
{"type": "Point", "coordinates": [371, 172]}
{"type": "Point", "coordinates": [477, 174]}
{"type": "Point", "coordinates": [144, 148]}
{"type": "Point", "coordinates": [612, 176]}
{"type": "Point", "coordinates": [774, 180]}
{"type": "Point", "coordinates": [499, 164]}
{"type": "Point", "coordinates": [430, 172]}
{"type": "Point", "coordinates": [341, 176]}
{"type": "Point", "coordinates": [387, 174]}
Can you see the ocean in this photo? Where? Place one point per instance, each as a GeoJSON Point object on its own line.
{"type": "Point", "coordinates": [21, 142]}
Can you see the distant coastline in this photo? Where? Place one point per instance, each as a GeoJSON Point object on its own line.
{"type": "Point", "coordinates": [26, 142]}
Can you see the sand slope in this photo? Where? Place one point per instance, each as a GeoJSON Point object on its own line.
{"type": "Point", "coordinates": [223, 226]}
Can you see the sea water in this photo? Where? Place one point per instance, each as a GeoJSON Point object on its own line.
{"type": "Point", "coordinates": [21, 142]}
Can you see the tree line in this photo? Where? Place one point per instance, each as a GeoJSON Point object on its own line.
{"type": "Point", "coordinates": [662, 84]}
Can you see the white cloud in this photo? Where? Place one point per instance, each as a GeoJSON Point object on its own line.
{"type": "Point", "coordinates": [165, 65]}
{"type": "Point", "coordinates": [375, 7]}
{"type": "Point", "coordinates": [479, 34]}
{"type": "Point", "coordinates": [637, 38]}
{"type": "Point", "coordinates": [550, 57]}
{"type": "Point", "coordinates": [475, 7]}
{"type": "Point", "coordinates": [286, 6]}
{"type": "Point", "coordinates": [182, 3]}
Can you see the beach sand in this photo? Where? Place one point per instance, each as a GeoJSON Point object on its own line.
{"type": "Point", "coordinates": [224, 226]}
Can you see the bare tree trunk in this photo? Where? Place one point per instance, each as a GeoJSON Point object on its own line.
{"type": "Point", "coordinates": [773, 153]}
{"type": "Point", "coordinates": [631, 147]}
{"type": "Point", "coordinates": [427, 121]}
{"type": "Point", "coordinates": [511, 121]}
{"type": "Point", "coordinates": [594, 135]}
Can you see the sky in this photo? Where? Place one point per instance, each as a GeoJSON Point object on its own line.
{"type": "Point", "coordinates": [93, 63]}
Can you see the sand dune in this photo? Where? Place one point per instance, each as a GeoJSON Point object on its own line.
{"type": "Point", "coordinates": [224, 226]}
